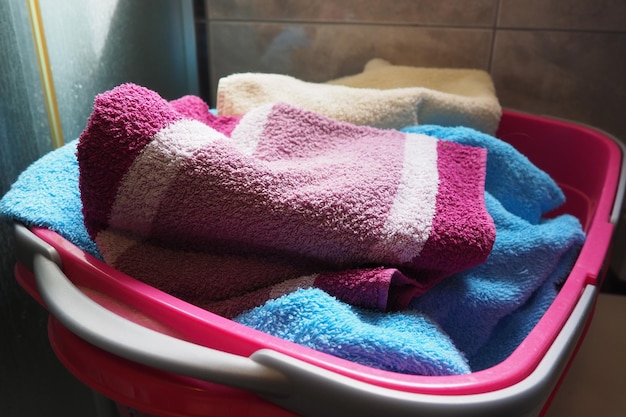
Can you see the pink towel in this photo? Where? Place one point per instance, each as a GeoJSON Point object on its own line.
{"type": "Point", "coordinates": [227, 213]}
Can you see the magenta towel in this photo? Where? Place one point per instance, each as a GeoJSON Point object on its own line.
{"type": "Point", "coordinates": [226, 212]}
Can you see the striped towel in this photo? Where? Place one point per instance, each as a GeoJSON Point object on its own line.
{"type": "Point", "coordinates": [227, 217]}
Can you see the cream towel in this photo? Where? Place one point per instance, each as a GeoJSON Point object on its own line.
{"type": "Point", "coordinates": [383, 96]}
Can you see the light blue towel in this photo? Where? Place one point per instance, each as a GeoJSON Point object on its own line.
{"type": "Point", "coordinates": [406, 342]}
{"type": "Point", "coordinates": [46, 195]}
{"type": "Point", "coordinates": [529, 261]}
{"type": "Point", "coordinates": [468, 322]}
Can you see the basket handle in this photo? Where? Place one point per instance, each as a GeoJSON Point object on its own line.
{"type": "Point", "coordinates": [105, 329]}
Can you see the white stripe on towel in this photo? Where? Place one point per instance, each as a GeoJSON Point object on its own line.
{"type": "Point", "coordinates": [153, 171]}
{"type": "Point", "coordinates": [410, 219]}
{"type": "Point", "coordinates": [291, 285]}
{"type": "Point", "coordinates": [245, 137]}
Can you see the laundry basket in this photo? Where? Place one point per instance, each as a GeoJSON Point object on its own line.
{"type": "Point", "coordinates": [153, 354]}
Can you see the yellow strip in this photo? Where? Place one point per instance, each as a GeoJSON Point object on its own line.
{"type": "Point", "coordinates": [46, 74]}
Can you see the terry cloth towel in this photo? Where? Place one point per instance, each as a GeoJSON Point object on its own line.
{"type": "Point", "coordinates": [412, 341]}
{"type": "Point", "coordinates": [378, 216]}
{"type": "Point", "coordinates": [46, 195]}
{"type": "Point", "coordinates": [383, 96]}
{"type": "Point", "coordinates": [485, 311]}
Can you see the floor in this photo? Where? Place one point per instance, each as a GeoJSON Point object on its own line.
{"type": "Point", "coordinates": [595, 385]}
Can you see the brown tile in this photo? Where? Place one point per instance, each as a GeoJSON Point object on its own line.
{"type": "Point", "coordinates": [574, 75]}
{"type": "Point", "coordinates": [602, 15]}
{"type": "Point", "coordinates": [320, 52]}
{"type": "Point", "coordinates": [423, 12]}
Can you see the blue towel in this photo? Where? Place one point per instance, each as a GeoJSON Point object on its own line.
{"type": "Point", "coordinates": [530, 259]}
{"type": "Point", "coordinates": [46, 195]}
{"type": "Point", "coordinates": [468, 322]}
{"type": "Point", "coordinates": [406, 342]}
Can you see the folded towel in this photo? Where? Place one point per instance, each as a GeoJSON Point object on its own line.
{"type": "Point", "coordinates": [386, 96]}
{"type": "Point", "coordinates": [380, 216]}
{"type": "Point", "coordinates": [381, 74]}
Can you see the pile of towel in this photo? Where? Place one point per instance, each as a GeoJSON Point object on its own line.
{"type": "Point", "coordinates": [423, 250]}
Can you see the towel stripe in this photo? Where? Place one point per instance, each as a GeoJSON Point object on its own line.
{"type": "Point", "coordinates": [249, 130]}
{"type": "Point", "coordinates": [409, 222]}
{"type": "Point", "coordinates": [153, 172]}
{"type": "Point", "coordinates": [461, 213]}
{"type": "Point", "coordinates": [113, 245]}
{"type": "Point", "coordinates": [291, 285]}
{"type": "Point", "coordinates": [123, 122]}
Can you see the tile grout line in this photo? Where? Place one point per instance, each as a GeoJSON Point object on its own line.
{"type": "Point", "coordinates": [493, 27]}
{"type": "Point", "coordinates": [494, 34]}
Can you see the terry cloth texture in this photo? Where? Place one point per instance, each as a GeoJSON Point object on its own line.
{"type": "Point", "coordinates": [468, 322]}
{"type": "Point", "coordinates": [486, 311]}
{"type": "Point", "coordinates": [46, 195]}
{"type": "Point", "coordinates": [384, 96]}
{"type": "Point", "coordinates": [378, 216]}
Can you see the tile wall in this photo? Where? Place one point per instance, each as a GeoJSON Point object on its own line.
{"type": "Point", "coordinates": [565, 58]}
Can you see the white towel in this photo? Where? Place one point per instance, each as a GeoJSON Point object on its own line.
{"type": "Point", "coordinates": [384, 96]}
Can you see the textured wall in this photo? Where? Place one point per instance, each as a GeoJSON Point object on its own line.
{"type": "Point", "coordinates": [28, 368]}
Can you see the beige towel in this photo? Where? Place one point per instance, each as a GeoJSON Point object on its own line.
{"type": "Point", "coordinates": [383, 95]}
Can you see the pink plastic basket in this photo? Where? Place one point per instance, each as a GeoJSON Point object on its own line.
{"type": "Point", "coordinates": [161, 356]}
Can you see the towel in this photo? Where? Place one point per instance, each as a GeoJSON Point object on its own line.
{"type": "Point", "coordinates": [381, 74]}
{"type": "Point", "coordinates": [377, 216]}
{"type": "Point", "coordinates": [484, 312]}
{"type": "Point", "coordinates": [384, 96]}
{"type": "Point", "coordinates": [405, 342]}
{"type": "Point", "coordinates": [530, 251]}
{"type": "Point", "coordinates": [46, 195]}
